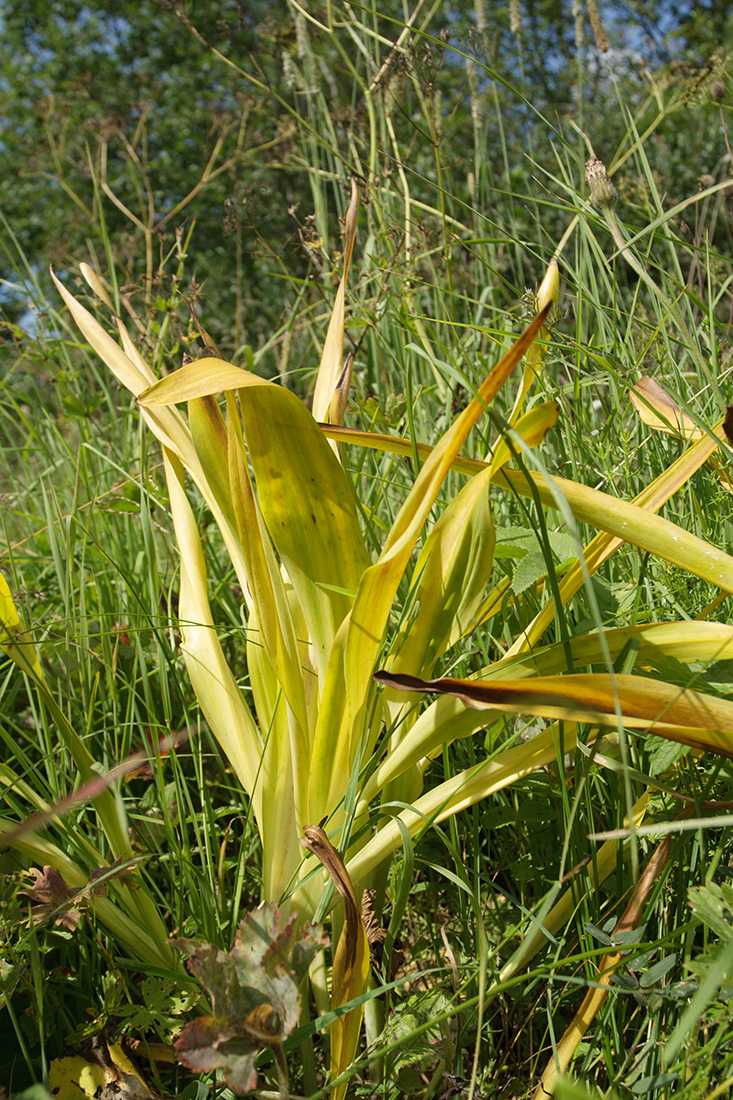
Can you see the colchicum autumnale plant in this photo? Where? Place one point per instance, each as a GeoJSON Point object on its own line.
{"type": "Point", "coordinates": [322, 743]}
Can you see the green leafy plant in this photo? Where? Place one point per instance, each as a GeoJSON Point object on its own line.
{"type": "Point", "coordinates": [321, 745]}
{"type": "Point", "coordinates": [335, 587]}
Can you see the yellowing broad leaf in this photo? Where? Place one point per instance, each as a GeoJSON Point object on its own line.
{"type": "Point", "coordinates": [305, 496]}
{"type": "Point", "coordinates": [80, 1078]}
{"type": "Point", "coordinates": [702, 721]}
{"type": "Point", "coordinates": [331, 381]}
{"type": "Point", "coordinates": [379, 583]}
{"type": "Point", "coordinates": [659, 411]}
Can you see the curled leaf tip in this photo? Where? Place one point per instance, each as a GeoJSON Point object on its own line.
{"type": "Point", "coordinates": [317, 843]}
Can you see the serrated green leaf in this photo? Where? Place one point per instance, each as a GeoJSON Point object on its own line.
{"type": "Point", "coordinates": [713, 905]}
{"type": "Point", "coordinates": [664, 754]}
{"type": "Point", "coordinates": [514, 542]}
{"type": "Point", "coordinates": [563, 545]}
{"type": "Point", "coordinates": [529, 570]}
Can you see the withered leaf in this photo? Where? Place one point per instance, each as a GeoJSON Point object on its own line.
{"type": "Point", "coordinates": [375, 934]}
{"type": "Point", "coordinates": [254, 994]}
{"type": "Point", "coordinates": [102, 1069]}
{"type": "Point", "coordinates": [350, 973]}
{"type": "Point", "coordinates": [54, 899]}
{"type": "Point", "coordinates": [100, 876]}
{"type": "Point", "coordinates": [316, 842]}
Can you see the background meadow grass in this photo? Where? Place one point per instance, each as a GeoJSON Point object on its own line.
{"type": "Point", "coordinates": [470, 159]}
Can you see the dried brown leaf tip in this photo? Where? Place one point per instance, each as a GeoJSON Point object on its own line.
{"type": "Point", "coordinates": [375, 933]}
{"type": "Point", "coordinates": [315, 841]}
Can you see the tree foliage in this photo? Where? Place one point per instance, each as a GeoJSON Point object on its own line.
{"type": "Point", "coordinates": [132, 99]}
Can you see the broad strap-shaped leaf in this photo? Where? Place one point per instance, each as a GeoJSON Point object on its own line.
{"type": "Point", "coordinates": [603, 545]}
{"type": "Point", "coordinates": [167, 425]}
{"type": "Point", "coordinates": [15, 640]}
{"type": "Point", "coordinates": [452, 571]}
{"type": "Point", "coordinates": [331, 759]}
{"type": "Point", "coordinates": [628, 522]}
{"type": "Point", "coordinates": [206, 460]}
{"type": "Point", "coordinates": [199, 378]}
{"type": "Point", "coordinates": [282, 802]}
{"type": "Point", "coordinates": [458, 793]}
{"type": "Point", "coordinates": [209, 435]}
{"type": "Point", "coordinates": [533, 426]}
{"type": "Point", "coordinates": [659, 411]}
{"type": "Point", "coordinates": [599, 509]}
{"type": "Point", "coordinates": [689, 641]}
{"type": "Point", "coordinates": [691, 718]}
{"type": "Point", "coordinates": [305, 496]}
{"type": "Point", "coordinates": [308, 505]}
{"type": "Point", "coordinates": [330, 382]}
{"type": "Point", "coordinates": [662, 413]}
{"type": "Point", "coordinates": [379, 583]}
{"type": "Point", "coordinates": [134, 923]}
{"type": "Point", "coordinates": [455, 563]}
{"type": "Point", "coordinates": [216, 690]}
{"type": "Point", "coordinates": [130, 373]}
{"type": "Point", "coordinates": [272, 612]}
{"type": "Point", "coordinates": [701, 721]}
{"type": "Point", "coordinates": [351, 961]}
{"type": "Point", "coordinates": [449, 718]}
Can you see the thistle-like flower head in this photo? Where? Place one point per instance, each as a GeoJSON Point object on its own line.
{"type": "Point", "coordinates": [602, 192]}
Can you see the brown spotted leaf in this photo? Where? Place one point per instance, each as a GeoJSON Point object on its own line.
{"type": "Point", "coordinates": [52, 897]}
{"type": "Point", "coordinates": [253, 991]}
